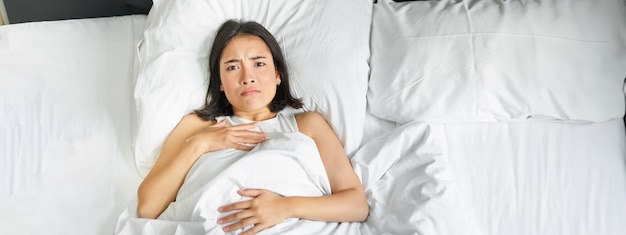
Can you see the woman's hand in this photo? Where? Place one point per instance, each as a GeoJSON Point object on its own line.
{"type": "Point", "coordinates": [265, 210]}
{"type": "Point", "coordinates": [218, 136]}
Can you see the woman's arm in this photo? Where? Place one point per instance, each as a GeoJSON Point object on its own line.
{"type": "Point", "coordinates": [191, 138]}
{"type": "Point", "coordinates": [346, 203]}
{"type": "Point", "coordinates": [161, 185]}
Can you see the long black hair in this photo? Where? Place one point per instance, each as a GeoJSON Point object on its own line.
{"type": "Point", "coordinates": [216, 102]}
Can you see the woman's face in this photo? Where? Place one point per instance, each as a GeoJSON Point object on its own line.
{"type": "Point", "coordinates": [249, 78]}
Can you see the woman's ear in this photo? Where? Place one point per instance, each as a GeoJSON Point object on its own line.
{"type": "Point", "coordinates": [221, 87]}
{"type": "Point", "coordinates": [277, 78]}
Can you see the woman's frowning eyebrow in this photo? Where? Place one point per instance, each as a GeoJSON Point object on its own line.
{"type": "Point", "coordinates": [238, 60]}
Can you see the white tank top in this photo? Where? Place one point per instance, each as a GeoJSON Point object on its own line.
{"type": "Point", "coordinates": [282, 123]}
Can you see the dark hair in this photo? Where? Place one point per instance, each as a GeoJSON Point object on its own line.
{"type": "Point", "coordinates": [216, 102]}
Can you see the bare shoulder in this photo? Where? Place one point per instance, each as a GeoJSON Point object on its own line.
{"type": "Point", "coordinates": [309, 115]}
{"type": "Point", "coordinates": [308, 118]}
{"type": "Point", "coordinates": [192, 123]}
{"type": "Point", "coordinates": [193, 118]}
{"type": "Point", "coordinates": [310, 123]}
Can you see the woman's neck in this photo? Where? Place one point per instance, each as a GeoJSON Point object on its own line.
{"type": "Point", "coordinates": [255, 116]}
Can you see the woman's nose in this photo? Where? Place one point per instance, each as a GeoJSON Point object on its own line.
{"type": "Point", "coordinates": [247, 76]}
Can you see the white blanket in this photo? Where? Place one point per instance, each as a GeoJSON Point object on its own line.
{"type": "Point", "coordinates": [287, 164]}
{"type": "Point", "coordinates": [409, 185]}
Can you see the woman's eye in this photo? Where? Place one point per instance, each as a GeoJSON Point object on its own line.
{"type": "Point", "coordinates": [259, 64]}
{"type": "Point", "coordinates": [232, 67]}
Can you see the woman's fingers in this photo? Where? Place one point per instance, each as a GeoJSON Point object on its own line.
{"type": "Point", "coordinates": [257, 228]}
{"type": "Point", "coordinates": [235, 216]}
{"type": "Point", "coordinates": [241, 219]}
{"type": "Point", "coordinates": [242, 135]}
{"type": "Point", "coordinates": [235, 206]}
{"type": "Point", "coordinates": [263, 211]}
{"type": "Point", "coordinates": [220, 136]}
{"type": "Point", "coordinates": [252, 135]}
{"type": "Point", "coordinates": [245, 143]}
{"type": "Point", "coordinates": [251, 192]}
{"type": "Point", "coordinates": [246, 140]}
{"type": "Point", "coordinates": [241, 224]}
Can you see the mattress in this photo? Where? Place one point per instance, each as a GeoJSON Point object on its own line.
{"type": "Point", "coordinates": [66, 163]}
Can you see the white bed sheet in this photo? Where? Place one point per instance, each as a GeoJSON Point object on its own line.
{"type": "Point", "coordinates": [66, 108]}
{"type": "Point", "coordinates": [542, 177]}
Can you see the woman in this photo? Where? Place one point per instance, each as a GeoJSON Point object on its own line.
{"type": "Point", "coordinates": [249, 81]}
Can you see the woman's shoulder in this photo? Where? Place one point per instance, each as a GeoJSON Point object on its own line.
{"type": "Point", "coordinates": [309, 116]}
{"type": "Point", "coordinates": [193, 121]}
{"type": "Point", "coordinates": [194, 118]}
{"type": "Point", "coordinates": [309, 122]}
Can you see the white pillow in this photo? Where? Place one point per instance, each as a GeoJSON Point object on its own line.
{"type": "Point", "coordinates": [327, 52]}
{"type": "Point", "coordinates": [498, 60]}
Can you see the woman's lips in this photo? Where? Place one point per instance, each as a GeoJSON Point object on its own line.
{"type": "Point", "coordinates": [248, 92]}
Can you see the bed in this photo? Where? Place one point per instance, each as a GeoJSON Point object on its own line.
{"type": "Point", "coordinates": [459, 117]}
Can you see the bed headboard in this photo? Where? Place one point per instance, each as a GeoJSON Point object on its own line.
{"type": "Point", "coordinates": [20, 11]}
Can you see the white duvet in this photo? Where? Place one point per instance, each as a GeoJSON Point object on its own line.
{"type": "Point", "coordinates": [287, 164]}
{"type": "Point", "coordinates": [409, 185]}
